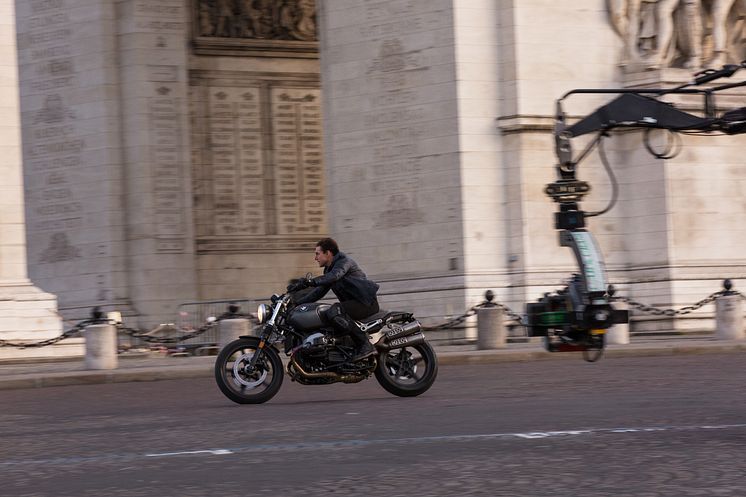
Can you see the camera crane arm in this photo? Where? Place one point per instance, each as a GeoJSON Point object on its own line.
{"type": "Point", "coordinates": [633, 108]}
{"type": "Point", "coordinates": [577, 317]}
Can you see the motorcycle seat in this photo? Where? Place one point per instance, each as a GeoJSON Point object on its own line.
{"type": "Point", "coordinates": [386, 316]}
{"type": "Point", "coordinates": [382, 314]}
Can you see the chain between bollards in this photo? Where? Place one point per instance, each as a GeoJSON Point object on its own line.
{"type": "Point", "coordinates": [519, 319]}
{"type": "Point", "coordinates": [99, 317]}
{"type": "Point", "coordinates": [50, 341]}
{"type": "Point", "coordinates": [489, 296]}
{"type": "Point", "coordinates": [656, 311]}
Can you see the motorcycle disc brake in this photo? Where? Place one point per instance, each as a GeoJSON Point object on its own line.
{"type": "Point", "coordinates": [239, 372]}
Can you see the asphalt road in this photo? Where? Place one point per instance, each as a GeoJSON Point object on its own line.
{"type": "Point", "coordinates": [642, 427]}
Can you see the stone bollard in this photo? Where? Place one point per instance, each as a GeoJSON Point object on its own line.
{"type": "Point", "coordinates": [231, 329]}
{"type": "Point", "coordinates": [490, 327]}
{"type": "Point", "coordinates": [101, 346]}
{"type": "Point", "coordinates": [729, 315]}
{"type": "Point", "coordinates": [619, 333]}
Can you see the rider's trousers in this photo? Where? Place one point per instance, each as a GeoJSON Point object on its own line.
{"type": "Point", "coordinates": [343, 314]}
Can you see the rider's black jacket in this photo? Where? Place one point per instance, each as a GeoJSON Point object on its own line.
{"type": "Point", "coordinates": [345, 278]}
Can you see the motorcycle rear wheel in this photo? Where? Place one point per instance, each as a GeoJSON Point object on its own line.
{"type": "Point", "coordinates": [409, 371]}
{"type": "Point", "coordinates": [241, 385]}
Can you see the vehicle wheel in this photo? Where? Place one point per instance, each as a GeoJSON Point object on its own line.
{"type": "Point", "coordinates": [241, 385]}
{"type": "Point", "coordinates": [409, 371]}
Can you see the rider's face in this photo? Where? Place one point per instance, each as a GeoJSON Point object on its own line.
{"type": "Point", "coordinates": [324, 258]}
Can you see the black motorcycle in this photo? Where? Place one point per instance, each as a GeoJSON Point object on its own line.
{"type": "Point", "coordinates": [249, 370]}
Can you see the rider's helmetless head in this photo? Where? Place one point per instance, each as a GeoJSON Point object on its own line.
{"type": "Point", "coordinates": [326, 249]}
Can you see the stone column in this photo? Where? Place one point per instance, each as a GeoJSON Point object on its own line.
{"type": "Point", "coordinates": [26, 313]}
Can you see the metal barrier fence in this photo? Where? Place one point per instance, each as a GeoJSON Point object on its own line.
{"type": "Point", "coordinates": [192, 315]}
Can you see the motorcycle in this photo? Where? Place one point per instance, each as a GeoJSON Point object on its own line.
{"type": "Point", "coordinates": [249, 370]}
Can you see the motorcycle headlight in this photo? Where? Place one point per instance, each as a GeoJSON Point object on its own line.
{"type": "Point", "coordinates": [262, 312]}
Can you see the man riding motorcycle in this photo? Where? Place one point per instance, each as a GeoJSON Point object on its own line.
{"type": "Point", "coordinates": [355, 292]}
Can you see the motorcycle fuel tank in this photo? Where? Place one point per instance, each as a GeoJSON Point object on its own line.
{"type": "Point", "coordinates": [308, 316]}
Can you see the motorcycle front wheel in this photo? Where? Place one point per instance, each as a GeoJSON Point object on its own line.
{"type": "Point", "coordinates": [409, 371]}
{"type": "Point", "coordinates": [238, 381]}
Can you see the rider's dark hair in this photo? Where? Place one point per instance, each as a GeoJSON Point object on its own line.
{"type": "Point", "coordinates": [328, 244]}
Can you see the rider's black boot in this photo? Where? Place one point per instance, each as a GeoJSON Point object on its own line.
{"type": "Point", "coordinates": [364, 350]}
{"type": "Point", "coordinates": [363, 347]}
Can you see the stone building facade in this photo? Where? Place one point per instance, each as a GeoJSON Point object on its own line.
{"type": "Point", "coordinates": [173, 150]}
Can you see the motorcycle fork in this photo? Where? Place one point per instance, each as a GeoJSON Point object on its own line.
{"type": "Point", "coordinates": [259, 349]}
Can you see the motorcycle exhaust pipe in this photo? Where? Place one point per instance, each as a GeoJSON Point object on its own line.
{"type": "Point", "coordinates": [402, 330]}
{"type": "Point", "coordinates": [398, 343]}
{"type": "Point", "coordinates": [307, 374]}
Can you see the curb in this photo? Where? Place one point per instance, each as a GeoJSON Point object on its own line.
{"type": "Point", "coordinates": [612, 352]}
{"type": "Point", "coordinates": [472, 357]}
{"type": "Point", "coordinates": [98, 377]}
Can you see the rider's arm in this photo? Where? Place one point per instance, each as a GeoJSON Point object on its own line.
{"type": "Point", "coordinates": [314, 295]}
{"type": "Point", "coordinates": [337, 272]}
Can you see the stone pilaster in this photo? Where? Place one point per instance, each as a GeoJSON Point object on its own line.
{"type": "Point", "coordinates": [72, 152]}
{"type": "Point", "coordinates": [392, 135]}
{"type": "Point", "coordinates": [152, 38]}
{"type": "Point", "coordinates": [412, 91]}
{"type": "Point", "coordinates": [26, 313]}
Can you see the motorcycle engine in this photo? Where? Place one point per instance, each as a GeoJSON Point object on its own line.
{"type": "Point", "coordinates": [320, 348]}
{"type": "Point", "coordinates": [315, 344]}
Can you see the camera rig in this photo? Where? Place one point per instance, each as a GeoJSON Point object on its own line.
{"type": "Point", "coordinates": [577, 317]}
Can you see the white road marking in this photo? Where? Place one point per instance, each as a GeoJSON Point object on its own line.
{"type": "Point", "coordinates": [354, 443]}
{"type": "Point", "coordinates": [216, 452]}
{"type": "Point", "coordinates": [450, 438]}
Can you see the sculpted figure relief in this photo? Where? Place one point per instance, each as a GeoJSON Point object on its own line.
{"type": "Point", "coordinates": [258, 19]}
{"type": "Point", "coordinates": [720, 12]}
{"type": "Point", "coordinates": [691, 34]}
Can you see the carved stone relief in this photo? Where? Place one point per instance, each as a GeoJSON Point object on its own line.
{"type": "Point", "coordinates": [299, 174]}
{"type": "Point", "coordinates": [59, 249]}
{"type": "Point", "coordinates": [235, 23]}
{"type": "Point", "coordinates": [259, 174]}
{"type": "Point", "coordinates": [690, 34]}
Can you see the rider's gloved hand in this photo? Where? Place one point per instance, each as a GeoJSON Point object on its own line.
{"type": "Point", "coordinates": [300, 285]}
